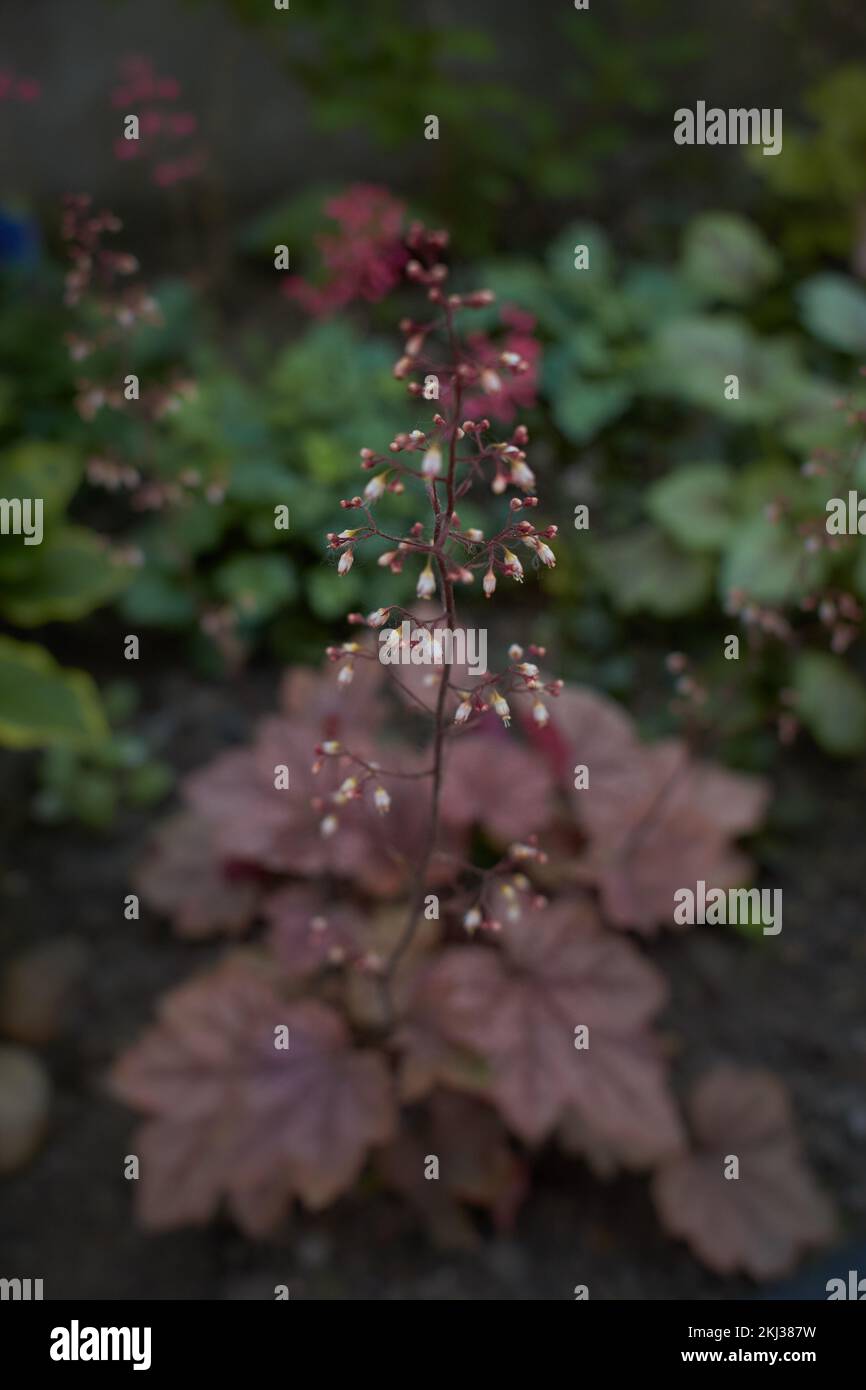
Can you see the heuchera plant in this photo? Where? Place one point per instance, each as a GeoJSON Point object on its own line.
{"type": "Point", "coordinates": [435, 996]}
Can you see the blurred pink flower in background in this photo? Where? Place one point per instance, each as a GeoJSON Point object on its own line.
{"type": "Point", "coordinates": [506, 393]}
{"type": "Point", "coordinates": [364, 259]}
{"type": "Point", "coordinates": [25, 89]}
{"type": "Point", "coordinates": [142, 93]}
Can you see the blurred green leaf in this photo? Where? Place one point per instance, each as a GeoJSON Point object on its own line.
{"type": "Point", "coordinates": [582, 407]}
{"type": "Point", "coordinates": [42, 703]}
{"type": "Point", "coordinates": [695, 505]}
{"type": "Point", "coordinates": [768, 563]}
{"type": "Point", "coordinates": [833, 308]}
{"type": "Point", "coordinates": [726, 258]}
{"type": "Point", "coordinates": [157, 599]}
{"type": "Point", "coordinates": [36, 469]}
{"type": "Point", "coordinates": [645, 572]}
{"type": "Point", "coordinates": [256, 585]}
{"type": "Point", "coordinates": [831, 701]}
{"type": "Point", "coordinates": [65, 580]}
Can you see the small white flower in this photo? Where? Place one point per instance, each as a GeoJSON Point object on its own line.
{"type": "Point", "coordinates": [347, 673]}
{"type": "Point", "coordinates": [540, 713]}
{"type": "Point", "coordinates": [464, 709]}
{"type": "Point", "coordinates": [376, 487]}
{"type": "Point", "coordinates": [522, 475]}
{"type": "Point", "coordinates": [512, 565]}
{"type": "Point", "coordinates": [489, 584]}
{"type": "Point", "coordinates": [329, 826]}
{"type": "Point", "coordinates": [431, 462]}
{"type": "Point", "coordinates": [346, 792]}
{"type": "Point", "coordinates": [500, 705]}
{"type": "Point", "coordinates": [426, 586]}
{"type": "Point", "coordinates": [472, 920]}
{"type": "Point", "coordinates": [347, 560]}
{"type": "Point", "coordinates": [382, 801]}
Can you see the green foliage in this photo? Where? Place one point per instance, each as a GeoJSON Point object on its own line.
{"type": "Point", "coordinates": [831, 701]}
{"type": "Point", "coordinates": [645, 572]}
{"type": "Point", "coordinates": [696, 505]}
{"type": "Point", "coordinates": [819, 171]}
{"type": "Point", "coordinates": [725, 258]}
{"type": "Point", "coordinates": [41, 704]}
{"type": "Point", "coordinates": [834, 310]}
{"type": "Point", "coordinates": [91, 785]}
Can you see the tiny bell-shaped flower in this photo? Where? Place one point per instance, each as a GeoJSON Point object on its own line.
{"type": "Point", "coordinates": [542, 550]}
{"type": "Point", "coordinates": [378, 617]}
{"type": "Point", "coordinates": [540, 713]}
{"type": "Point", "coordinates": [329, 826]}
{"type": "Point", "coordinates": [432, 462]}
{"type": "Point", "coordinates": [472, 920]}
{"type": "Point", "coordinates": [426, 586]}
{"type": "Point", "coordinates": [522, 475]}
{"type": "Point", "coordinates": [382, 801]}
{"type": "Point", "coordinates": [376, 487]}
{"type": "Point", "coordinates": [512, 565]}
{"type": "Point", "coordinates": [347, 560]}
{"type": "Point", "coordinates": [500, 706]}
{"type": "Point", "coordinates": [347, 673]}
{"type": "Point", "coordinates": [464, 709]}
{"type": "Point", "coordinates": [489, 584]}
{"type": "Point", "coordinates": [346, 791]}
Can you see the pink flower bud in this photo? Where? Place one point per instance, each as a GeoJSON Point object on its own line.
{"type": "Point", "coordinates": [347, 559]}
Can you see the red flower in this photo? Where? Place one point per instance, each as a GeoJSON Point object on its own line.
{"type": "Point", "coordinates": [364, 259]}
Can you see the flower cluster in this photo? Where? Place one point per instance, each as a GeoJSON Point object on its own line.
{"type": "Point", "coordinates": [111, 307]}
{"type": "Point", "coordinates": [432, 999]}
{"type": "Point", "coordinates": [445, 460]}
{"type": "Point", "coordinates": [165, 127]}
{"type": "Point", "coordinates": [363, 259]}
